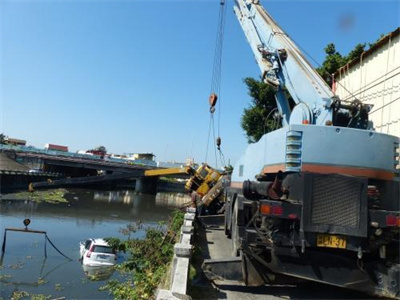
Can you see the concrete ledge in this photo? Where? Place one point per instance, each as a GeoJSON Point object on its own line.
{"type": "Point", "coordinates": [189, 216]}
{"type": "Point", "coordinates": [187, 229]}
{"type": "Point", "coordinates": [179, 285]}
{"type": "Point", "coordinates": [191, 210]}
{"type": "Point", "coordinates": [186, 238]}
{"type": "Point", "coordinates": [181, 261]}
{"type": "Point", "coordinates": [168, 295]}
{"type": "Point", "coordinates": [188, 223]}
{"type": "Point", "coordinates": [183, 250]}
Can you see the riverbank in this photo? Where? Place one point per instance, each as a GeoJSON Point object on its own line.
{"type": "Point", "coordinates": [149, 259]}
{"type": "Point", "coordinates": [87, 214]}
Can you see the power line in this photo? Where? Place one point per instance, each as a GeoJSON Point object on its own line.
{"type": "Point", "coordinates": [370, 87]}
{"type": "Point", "coordinates": [379, 108]}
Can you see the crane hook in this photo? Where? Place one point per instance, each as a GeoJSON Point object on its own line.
{"type": "Point", "coordinates": [218, 142]}
{"type": "Point", "coordinates": [213, 101]}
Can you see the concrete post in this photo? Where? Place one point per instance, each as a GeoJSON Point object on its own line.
{"type": "Point", "coordinates": [146, 185]}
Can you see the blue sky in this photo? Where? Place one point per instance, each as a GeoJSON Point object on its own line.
{"type": "Point", "coordinates": [135, 76]}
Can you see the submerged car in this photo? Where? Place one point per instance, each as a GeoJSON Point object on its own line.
{"type": "Point", "coordinates": [97, 252]}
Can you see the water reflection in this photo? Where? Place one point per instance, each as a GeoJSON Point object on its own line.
{"type": "Point", "coordinates": [125, 197]}
{"type": "Point", "coordinates": [89, 207]}
{"type": "Point", "coordinates": [98, 273]}
{"type": "Point", "coordinates": [172, 199]}
{"type": "Point", "coordinates": [88, 214]}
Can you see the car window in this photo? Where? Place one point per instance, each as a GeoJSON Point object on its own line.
{"type": "Point", "coordinates": [87, 244]}
{"type": "Point", "coordinates": [102, 249]}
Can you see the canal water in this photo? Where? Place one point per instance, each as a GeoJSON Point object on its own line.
{"type": "Point", "coordinates": [88, 214]}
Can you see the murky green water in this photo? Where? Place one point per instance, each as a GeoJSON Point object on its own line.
{"type": "Point", "coordinates": [24, 267]}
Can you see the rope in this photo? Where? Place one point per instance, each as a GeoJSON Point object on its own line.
{"type": "Point", "coordinates": [47, 238]}
{"type": "Point", "coordinates": [361, 90]}
{"type": "Point", "coordinates": [386, 104]}
{"type": "Point", "coordinates": [215, 147]}
{"type": "Point", "coordinates": [3, 248]}
{"type": "Point", "coordinates": [208, 136]}
{"type": "Point", "coordinates": [222, 157]}
{"type": "Point", "coordinates": [216, 77]}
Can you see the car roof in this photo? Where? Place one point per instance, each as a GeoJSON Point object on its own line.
{"type": "Point", "coordinates": [100, 242]}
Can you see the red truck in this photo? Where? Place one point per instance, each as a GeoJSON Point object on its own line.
{"type": "Point", "coordinates": [56, 147]}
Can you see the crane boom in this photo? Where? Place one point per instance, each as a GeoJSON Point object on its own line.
{"type": "Point", "coordinates": [283, 65]}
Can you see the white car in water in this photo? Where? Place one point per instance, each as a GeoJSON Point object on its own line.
{"type": "Point", "coordinates": [97, 252]}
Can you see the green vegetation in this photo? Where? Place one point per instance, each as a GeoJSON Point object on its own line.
{"type": "Point", "coordinates": [51, 196]}
{"type": "Point", "coordinates": [24, 295]}
{"type": "Point", "coordinates": [334, 60]}
{"type": "Point", "coordinates": [258, 118]}
{"type": "Point", "coordinates": [148, 261]}
{"type": "Point", "coordinates": [2, 138]}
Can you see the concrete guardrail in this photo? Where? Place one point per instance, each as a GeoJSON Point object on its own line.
{"type": "Point", "coordinates": [181, 262]}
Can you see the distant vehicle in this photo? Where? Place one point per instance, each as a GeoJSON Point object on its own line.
{"type": "Point", "coordinates": [31, 171]}
{"type": "Point", "coordinates": [56, 147]}
{"type": "Point", "coordinates": [97, 252]}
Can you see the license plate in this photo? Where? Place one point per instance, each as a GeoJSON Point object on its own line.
{"type": "Point", "coordinates": [102, 256]}
{"type": "Point", "coordinates": [331, 241]}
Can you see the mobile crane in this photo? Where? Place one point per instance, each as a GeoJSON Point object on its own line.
{"type": "Point", "coordinates": [315, 199]}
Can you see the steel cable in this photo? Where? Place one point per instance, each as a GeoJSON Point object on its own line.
{"type": "Point", "coordinates": [216, 78]}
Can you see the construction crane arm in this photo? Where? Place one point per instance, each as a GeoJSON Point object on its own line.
{"type": "Point", "coordinates": [283, 65]}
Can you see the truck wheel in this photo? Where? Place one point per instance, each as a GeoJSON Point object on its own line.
{"type": "Point", "coordinates": [235, 231]}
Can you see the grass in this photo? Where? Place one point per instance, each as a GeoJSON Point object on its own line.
{"type": "Point", "coordinates": [148, 262]}
{"type": "Point", "coordinates": [50, 196]}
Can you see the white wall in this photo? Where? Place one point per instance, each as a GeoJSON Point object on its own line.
{"type": "Point", "coordinates": [376, 80]}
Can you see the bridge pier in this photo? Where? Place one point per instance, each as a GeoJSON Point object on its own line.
{"type": "Point", "coordinates": [146, 185]}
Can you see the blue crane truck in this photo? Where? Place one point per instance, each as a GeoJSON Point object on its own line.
{"type": "Point", "coordinates": [317, 199]}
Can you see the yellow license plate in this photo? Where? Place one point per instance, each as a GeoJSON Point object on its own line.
{"type": "Point", "coordinates": [331, 241]}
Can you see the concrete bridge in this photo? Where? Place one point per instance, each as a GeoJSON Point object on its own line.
{"type": "Point", "coordinates": [70, 170]}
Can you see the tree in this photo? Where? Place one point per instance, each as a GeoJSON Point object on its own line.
{"type": "Point", "coordinates": [2, 138]}
{"type": "Point", "coordinates": [333, 61]}
{"type": "Point", "coordinates": [254, 119]}
{"type": "Point", "coordinates": [355, 53]}
{"type": "Point", "coordinates": [101, 149]}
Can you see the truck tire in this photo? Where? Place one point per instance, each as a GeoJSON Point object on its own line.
{"type": "Point", "coordinates": [234, 230]}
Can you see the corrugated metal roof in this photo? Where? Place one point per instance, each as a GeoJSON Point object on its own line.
{"type": "Point", "coordinates": [383, 41]}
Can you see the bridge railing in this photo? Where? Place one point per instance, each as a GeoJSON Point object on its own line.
{"type": "Point", "coordinates": [31, 149]}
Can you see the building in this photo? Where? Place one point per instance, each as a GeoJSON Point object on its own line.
{"type": "Point", "coordinates": [13, 141]}
{"type": "Point", "coordinates": [140, 156]}
{"type": "Point", "coordinates": [374, 79]}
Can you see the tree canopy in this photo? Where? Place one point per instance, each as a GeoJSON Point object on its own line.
{"type": "Point", "coordinates": [258, 118]}
{"type": "Point", "coordinates": [334, 60]}
{"type": "Point", "coordinates": [2, 138]}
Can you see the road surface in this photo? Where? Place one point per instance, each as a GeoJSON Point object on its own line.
{"type": "Point", "coordinates": [211, 242]}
